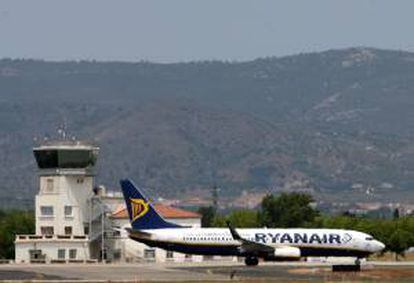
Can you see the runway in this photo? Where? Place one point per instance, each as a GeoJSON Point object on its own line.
{"type": "Point", "coordinates": [204, 272]}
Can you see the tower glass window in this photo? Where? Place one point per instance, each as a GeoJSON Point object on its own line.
{"type": "Point", "coordinates": [64, 158]}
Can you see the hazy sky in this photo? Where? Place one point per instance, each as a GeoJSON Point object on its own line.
{"type": "Point", "coordinates": [175, 30]}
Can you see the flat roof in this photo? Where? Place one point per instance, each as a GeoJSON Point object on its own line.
{"type": "Point", "coordinates": [67, 145]}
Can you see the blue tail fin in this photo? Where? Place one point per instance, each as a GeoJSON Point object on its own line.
{"type": "Point", "coordinates": [141, 213]}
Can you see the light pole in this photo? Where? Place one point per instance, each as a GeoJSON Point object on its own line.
{"type": "Point", "coordinates": [103, 232]}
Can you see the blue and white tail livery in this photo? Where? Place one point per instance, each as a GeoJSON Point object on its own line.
{"type": "Point", "coordinates": [141, 213]}
{"type": "Point", "coordinates": [270, 244]}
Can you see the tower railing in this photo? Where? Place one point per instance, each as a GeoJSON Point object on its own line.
{"type": "Point", "coordinates": [30, 237]}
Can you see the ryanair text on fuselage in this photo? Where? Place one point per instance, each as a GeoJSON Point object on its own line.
{"type": "Point", "coordinates": [301, 238]}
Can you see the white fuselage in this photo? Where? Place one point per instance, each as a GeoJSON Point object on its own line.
{"type": "Point", "coordinates": [311, 242]}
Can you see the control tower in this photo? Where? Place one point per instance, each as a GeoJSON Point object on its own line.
{"type": "Point", "coordinates": [66, 171]}
{"type": "Point", "coordinates": [62, 205]}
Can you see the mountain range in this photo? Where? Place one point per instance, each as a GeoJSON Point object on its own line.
{"type": "Point", "coordinates": [339, 123]}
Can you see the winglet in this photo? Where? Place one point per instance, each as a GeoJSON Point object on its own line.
{"type": "Point", "coordinates": [233, 232]}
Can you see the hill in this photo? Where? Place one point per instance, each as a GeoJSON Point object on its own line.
{"type": "Point", "coordinates": [323, 122]}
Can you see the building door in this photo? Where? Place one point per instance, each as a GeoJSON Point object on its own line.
{"type": "Point", "coordinates": [37, 256]}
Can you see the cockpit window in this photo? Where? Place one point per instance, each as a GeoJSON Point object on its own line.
{"type": "Point", "coordinates": [369, 238]}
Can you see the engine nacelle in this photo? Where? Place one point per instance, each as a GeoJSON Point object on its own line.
{"type": "Point", "coordinates": [287, 252]}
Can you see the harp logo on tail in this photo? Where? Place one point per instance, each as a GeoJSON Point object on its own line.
{"type": "Point", "coordinates": [139, 208]}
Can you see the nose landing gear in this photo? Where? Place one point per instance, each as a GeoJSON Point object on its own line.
{"type": "Point", "coordinates": [251, 261]}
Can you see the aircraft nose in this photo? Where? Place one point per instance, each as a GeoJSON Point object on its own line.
{"type": "Point", "coordinates": [379, 246]}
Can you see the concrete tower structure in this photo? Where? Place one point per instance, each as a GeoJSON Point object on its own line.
{"type": "Point", "coordinates": [62, 205]}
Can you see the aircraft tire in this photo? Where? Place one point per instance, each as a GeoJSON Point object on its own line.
{"type": "Point", "coordinates": [251, 261]}
{"type": "Point", "coordinates": [358, 261]}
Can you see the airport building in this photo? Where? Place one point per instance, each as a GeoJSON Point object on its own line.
{"type": "Point", "coordinates": [130, 250]}
{"type": "Point", "coordinates": [79, 222]}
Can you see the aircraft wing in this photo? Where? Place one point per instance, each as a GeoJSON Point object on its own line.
{"type": "Point", "coordinates": [248, 246]}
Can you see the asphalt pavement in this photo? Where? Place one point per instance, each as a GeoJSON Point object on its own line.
{"type": "Point", "coordinates": [204, 272]}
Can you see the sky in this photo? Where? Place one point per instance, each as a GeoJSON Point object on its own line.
{"type": "Point", "coordinates": [188, 30]}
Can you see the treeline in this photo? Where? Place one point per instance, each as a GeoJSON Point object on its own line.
{"type": "Point", "coordinates": [11, 223]}
{"type": "Point", "coordinates": [295, 210]}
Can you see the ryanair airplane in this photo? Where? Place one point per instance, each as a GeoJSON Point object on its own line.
{"type": "Point", "coordinates": [148, 227]}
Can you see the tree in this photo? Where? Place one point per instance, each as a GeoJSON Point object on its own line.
{"type": "Point", "coordinates": [208, 214]}
{"type": "Point", "coordinates": [220, 221]}
{"type": "Point", "coordinates": [12, 223]}
{"type": "Point", "coordinates": [341, 222]}
{"type": "Point", "coordinates": [243, 218]}
{"type": "Point", "coordinates": [400, 241]}
{"type": "Point", "coordinates": [287, 210]}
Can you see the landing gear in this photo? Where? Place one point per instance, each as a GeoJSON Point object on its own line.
{"type": "Point", "coordinates": [357, 261]}
{"type": "Point", "coordinates": [251, 261]}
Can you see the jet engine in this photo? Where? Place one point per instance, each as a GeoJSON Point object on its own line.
{"type": "Point", "coordinates": [287, 252]}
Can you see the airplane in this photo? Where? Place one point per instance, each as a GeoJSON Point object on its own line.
{"type": "Point", "coordinates": [287, 244]}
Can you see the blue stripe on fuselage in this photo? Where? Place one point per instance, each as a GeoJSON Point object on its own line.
{"type": "Point", "coordinates": [205, 249]}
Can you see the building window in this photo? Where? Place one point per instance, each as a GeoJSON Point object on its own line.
{"type": "Point", "coordinates": [117, 254]}
{"type": "Point", "coordinates": [46, 230]}
{"type": "Point", "coordinates": [170, 254]}
{"type": "Point", "coordinates": [49, 186]}
{"type": "Point", "coordinates": [68, 210]}
{"type": "Point", "coordinates": [72, 253]}
{"type": "Point", "coordinates": [79, 180]}
{"type": "Point", "coordinates": [61, 253]}
{"type": "Point", "coordinates": [68, 230]}
{"type": "Point", "coordinates": [86, 230]}
{"type": "Point", "coordinates": [46, 210]}
{"type": "Point", "coordinates": [149, 253]}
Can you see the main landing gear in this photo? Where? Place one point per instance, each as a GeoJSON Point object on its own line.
{"type": "Point", "coordinates": [357, 261]}
{"type": "Point", "coordinates": [251, 261]}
